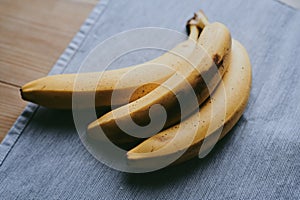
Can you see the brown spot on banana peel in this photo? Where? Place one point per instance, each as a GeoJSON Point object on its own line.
{"type": "Point", "coordinates": [201, 90]}
{"type": "Point", "coordinates": [217, 60]}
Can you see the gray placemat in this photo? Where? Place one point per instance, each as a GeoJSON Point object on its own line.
{"type": "Point", "coordinates": [42, 156]}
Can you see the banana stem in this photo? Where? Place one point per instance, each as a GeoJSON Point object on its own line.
{"type": "Point", "coordinates": [199, 20]}
{"type": "Point", "coordinates": [194, 32]}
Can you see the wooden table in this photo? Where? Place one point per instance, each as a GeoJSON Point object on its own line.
{"type": "Point", "coordinates": [33, 34]}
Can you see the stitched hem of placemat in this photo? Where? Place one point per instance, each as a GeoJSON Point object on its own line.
{"type": "Point", "coordinates": [23, 120]}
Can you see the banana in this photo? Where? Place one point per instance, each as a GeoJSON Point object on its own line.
{"type": "Point", "coordinates": [56, 91]}
{"type": "Point", "coordinates": [204, 70]}
{"type": "Point", "coordinates": [169, 143]}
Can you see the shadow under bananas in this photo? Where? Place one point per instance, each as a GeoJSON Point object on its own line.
{"type": "Point", "coordinates": [61, 124]}
{"type": "Point", "coordinates": [56, 121]}
{"type": "Point", "coordinates": [52, 119]}
{"type": "Point", "coordinates": [181, 172]}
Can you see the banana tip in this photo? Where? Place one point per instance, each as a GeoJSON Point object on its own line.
{"type": "Point", "coordinates": [22, 93]}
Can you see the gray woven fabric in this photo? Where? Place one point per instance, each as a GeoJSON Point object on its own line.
{"type": "Point", "coordinates": [43, 158]}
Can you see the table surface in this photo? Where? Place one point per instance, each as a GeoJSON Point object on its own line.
{"type": "Point", "coordinates": [33, 34]}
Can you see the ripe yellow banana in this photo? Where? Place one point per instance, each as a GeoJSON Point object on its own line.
{"type": "Point", "coordinates": [169, 143]}
{"type": "Point", "coordinates": [56, 91]}
{"type": "Point", "coordinates": [215, 39]}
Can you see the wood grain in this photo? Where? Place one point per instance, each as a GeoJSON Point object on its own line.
{"type": "Point", "coordinates": [11, 105]}
{"type": "Point", "coordinates": [33, 34]}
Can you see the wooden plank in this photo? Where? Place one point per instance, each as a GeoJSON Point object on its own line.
{"type": "Point", "coordinates": [11, 105]}
{"type": "Point", "coordinates": [33, 34]}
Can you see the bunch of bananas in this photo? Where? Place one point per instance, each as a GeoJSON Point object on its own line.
{"type": "Point", "coordinates": [210, 67]}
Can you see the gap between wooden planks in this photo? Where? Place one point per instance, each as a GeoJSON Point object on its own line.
{"type": "Point", "coordinates": [33, 34]}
